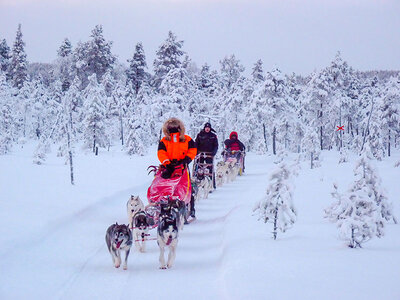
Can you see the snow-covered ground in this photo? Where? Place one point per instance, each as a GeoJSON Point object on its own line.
{"type": "Point", "coordinates": [52, 236]}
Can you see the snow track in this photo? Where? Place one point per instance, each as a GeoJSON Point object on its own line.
{"type": "Point", "coordinates": [225, 254]}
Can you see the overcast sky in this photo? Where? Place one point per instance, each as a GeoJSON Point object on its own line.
{"type": "Point", "coordinates": [294, 35]}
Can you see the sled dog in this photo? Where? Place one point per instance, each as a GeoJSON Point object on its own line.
{"type": "Point", "coordinates": [232, 170]}
{"type": "Point", "coordinates": [175, 210]}
{"type": "Point", "coordinates": [203, 183]}
{"type": "Point", "coordinates": [133, 205]}
{"type": "Point", "coordinates": [119, 237]}
{"type": "Point", "coordinates": [221, 173]}
{"type": "Point", "coordinates": [167, 236]}
{"type": "Point", "coordinates": [140, 229]}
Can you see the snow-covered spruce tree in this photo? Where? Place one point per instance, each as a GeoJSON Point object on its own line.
{"type": "Point", "coordinates": [38, 116]}
{"type": "Point", "coordinates": [209, 82]}
{"type": "Point", "coordinates": [257, 74]}
{"type": "Point", "coordinates": [279, 112]}
{"type": "Point", "coordinates": [374, 134]}
{"type": "Point", "coordinates": [137, 132]}
{"type": "Point", "coordinates": [311, 145]}
{"type": "Point", "coordinates": [136, 73]}
{"type": "Point", "coordinates": [93, 57]}
{"type": "Point", "coordinates": [232, 104]}
{"type": "Point", "coordinates": [277, 206]}
{"type": "Point", "coordinates": [5, 56]}
{"type": "Point", "coordinates": [338, 75]}
{"type": "Point", "coordinates": [95, 114]}
{"type": "Point", "coordinates": [371, 179]}
{"type": "Point", "coordinates": [65, 64]}
{"type": "Point", "coordinates": [390, 110]}
{"type": "Point", "coordinates": [100, 59]}
{"type": "Point", "coordinates": [177, 89]}
{"type": "Point", "coordinates": [168, 57]}
{"type": "Point", "coordinates": [315, 100]}
{"type": "Point", "coordinates": [120, 107]}
{"type": "Point", "coordinates": [356, 215]}
{"type": "Point", "coordinates": [293, 91]}
{"type": "Point", "coordinates": [256, 113]}
{"type": "Point", "coordinates": [6, 113]}
{"type": "Point", "coordinates": [231, 71]}
{"type": "Point", "coordinates": [17, 69]}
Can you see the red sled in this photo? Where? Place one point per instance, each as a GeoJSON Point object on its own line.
{"type": "Point", "coordinates": [176, 187]}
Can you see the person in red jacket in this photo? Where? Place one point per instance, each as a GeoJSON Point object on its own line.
{"type": "Point", "coordinates": [233, 144]}
{"type": "Point", "coordinates": [176, 148]}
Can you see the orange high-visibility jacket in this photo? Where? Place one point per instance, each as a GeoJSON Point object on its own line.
{"type": "Point", "coordinates": [175, 148]}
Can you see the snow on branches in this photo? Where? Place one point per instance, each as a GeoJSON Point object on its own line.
{"type": "Point", "coordinates": [277, 206]}
{"type": "Point", "coordinates": [360, 213]}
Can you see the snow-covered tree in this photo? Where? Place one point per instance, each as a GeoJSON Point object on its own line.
{"type": "Point", "coordinates": [231, 71]}
{"type": "Point", "coordinates": [168, 57]}
{"type": "Point", "coordinates": [93, 57]}
{"type": "Point", "coordinates": [356, 215]}
{"type": "Point", "coordinates": [311, 146]}
{"type": "Point", "coordinates": [17, 69]}
{"type": "Point", "coordinates": [136, 73]}
{"type": "Point", "coordinates": [5, 55]}
{"type": "Point", "coordinates": [277, 206]}
{"type": "Point", "coordinates": [390, 110]}
{"type": "Point", "coordinates": [278, 109]}
{"type": "Point", "coordinates": [137, 131]}
{"type": "Point", "coordinates": [369, 177]}
{"type": "Point", "coordinates": [95, 114]}
{"type": "Point", "coordinates": [6, 113]}
{"type": "Point", "coordinates": [65, 64]}
{"type": "Point", "coordinates": [258, 74]}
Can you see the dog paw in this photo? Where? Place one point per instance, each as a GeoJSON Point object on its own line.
{"type": "Point", "coordinates": [163, 267]}
{"type": "Point", "coordinates": [117, 266]}
{"type": "Point", "coordinates": [125, 267]}
{"type": "Point", "coordinates": [169, 266]}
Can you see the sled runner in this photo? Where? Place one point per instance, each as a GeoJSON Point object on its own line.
{"type": "Point", "coordinates": [236, 156]}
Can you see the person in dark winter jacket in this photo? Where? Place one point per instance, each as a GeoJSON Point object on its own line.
{"type": "Point", "coordinates": [233, 144]}
{"type": "Point", "coordinates": [207, 142]}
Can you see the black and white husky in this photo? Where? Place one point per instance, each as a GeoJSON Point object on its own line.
{"type": "Point", "coordinates": [119, 237]}
{"type": "Point", "coordinates": [167, 236]}
{"type": "Point", "coordinates": [141, 226]}
{"type": "Point", "coordinates": [174, 209]}
{"type": "Point", "coordinates": [133, 206]}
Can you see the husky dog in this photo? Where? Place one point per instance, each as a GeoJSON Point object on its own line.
{"type": "Point", "coordinates": [203, 183]}
{"type": "Point", "coordinates": [141, 226]}
{"type": "Point", "coordinates": [133, 205]}
{"type": "Point", "coordinates": [178, 209]}
{"type": "Point", "coordinates": [222, 168]}
{"type": "Point", "coordinates": [119, 237]}
{"type": "Point", "coordinates": [167, 236]}
{"type": "Point", "coordinates": [232, 170]}
{"type": "Point", "coordinates": [175, 210]}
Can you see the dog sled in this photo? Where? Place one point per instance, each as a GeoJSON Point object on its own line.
{"type": "Point", "coordinates": [174, 190]}
{"type": "Point", "coordinates": [237, 157]}
{"type": "Point", "coordinates": [203, 166]}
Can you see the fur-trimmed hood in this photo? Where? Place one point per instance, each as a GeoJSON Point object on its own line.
{"type": "Point", "coordinates": [174, 123]}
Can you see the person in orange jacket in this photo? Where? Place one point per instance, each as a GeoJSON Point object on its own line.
{"type": "Point", "coordinates": [176, 148]}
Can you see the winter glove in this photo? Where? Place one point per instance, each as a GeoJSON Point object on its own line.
{"type": "Point", "coordinates": [169, 169]}
{"type": "Point", "coordinates": [186, 160]}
